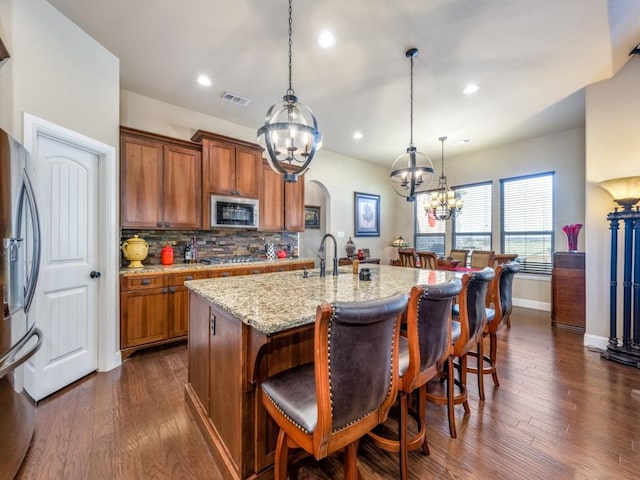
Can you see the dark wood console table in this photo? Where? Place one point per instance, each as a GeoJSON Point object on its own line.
{"type": "Point", "coordinates": [568, 291]}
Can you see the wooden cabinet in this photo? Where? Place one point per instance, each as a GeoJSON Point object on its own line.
{"type": "Point", "coordinates": [568, 290]}
{"type": "Point", "coordinates": [281, 203]}
{"type": "Point", "coordinates": [229, 167]}
{"type": "Point", "coordinates": [160, 181]}
{"type": "Point", "coordinates": [154, 308]}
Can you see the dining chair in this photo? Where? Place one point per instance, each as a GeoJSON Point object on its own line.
{"type": "Point", "coordinates": [328, 405]}
{"type": "Point", "coordinates": [466, 333]}
{"type": "Point", "coordinates": [407, 257]}
{"type": "Point", "coordinates": [423, 350]}
{"type": "Point", "coordinates": [497, 318]}
{"type": "Point", "coordinates": [481, 259]}
{"type": "Point", "coordinates": [460, 255]}
{"type": "Point", "coordinates": [428, 260]}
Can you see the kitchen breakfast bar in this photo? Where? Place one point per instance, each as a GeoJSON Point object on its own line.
{"type": "Point", "coordinates": [243, 330]}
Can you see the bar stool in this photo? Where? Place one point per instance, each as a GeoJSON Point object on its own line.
{"type": "Point", "coordinates": [497, 318]}
{"type": "Point", "coordinates": [466, 332]}
{"type": "Point", "coordinates": [328, 405]}
{"type": "Point", "coordinates": [422, 352]}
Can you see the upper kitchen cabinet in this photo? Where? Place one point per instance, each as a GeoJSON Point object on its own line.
{"type": "Point", "coordinates": [160, 181]}
{"type": "Point", "coordinates": [281, 203]}
{"type": "Point", "coordinates": [229, 167]}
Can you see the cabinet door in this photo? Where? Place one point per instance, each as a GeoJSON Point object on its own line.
{"type": "Point", "coordinates": [247, 172]}
{"type": "Point", "coordinates": [294, 205]}
{"type": "Point", "coordinates": [182, 186]}
{"type": "Point", "coordinates": [141, 172]}
{"type": "Point", "coordinates": [143, 316]}
{"type": "Point", "coordinates": [218, 168]}
{"type": "Point", "coordinates": [271, 201]}
{"type": "Point", "coordinates": [178, 322]}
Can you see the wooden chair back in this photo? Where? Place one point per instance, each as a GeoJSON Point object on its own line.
{"type": "Point", "coordinates": [428, 260]}
{"type": "Point", "coordinates": [407, 257]}
{"type": "Point", "coordinates": [481, 258]}
{"type": "Point", "coordinates": [460, 255]}
{"type": "Point", "coordinates": [502, 289]}
{"type": "Point", "coordinates": [472, 310]}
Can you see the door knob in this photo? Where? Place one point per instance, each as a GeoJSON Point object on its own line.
{"type": "Point", "coordinates": [94, 274]}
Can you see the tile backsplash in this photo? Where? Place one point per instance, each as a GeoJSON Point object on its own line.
{"type": "Point", "coordinates": [219, 243]}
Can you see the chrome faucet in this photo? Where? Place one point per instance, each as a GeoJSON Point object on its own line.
{"type": "Point", "coordinates": [335, 255]}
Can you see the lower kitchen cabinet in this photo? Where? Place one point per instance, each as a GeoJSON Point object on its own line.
{"type": "Point", "coordinates": [154, 308]}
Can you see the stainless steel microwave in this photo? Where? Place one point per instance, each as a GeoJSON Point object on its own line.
{"type": "Point", "coordinates": [233, 212]}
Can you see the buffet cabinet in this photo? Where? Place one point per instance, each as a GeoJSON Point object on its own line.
{"type": "Point", "coordinates": [160, 181]}
{"type": "Point", "coordinates": [568, 291]}
{"type": "Point", "coordinates": [154, 307]}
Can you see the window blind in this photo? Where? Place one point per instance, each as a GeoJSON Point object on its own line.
{"type": "Point", "coordinates": [527, 220]}
{"type": "Point", "coordinates": [429, 233]}
{"type": "Point", "coordinates": [472, 226]}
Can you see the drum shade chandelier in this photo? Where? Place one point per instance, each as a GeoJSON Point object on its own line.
{"type": "Point", "coordinates": [444, 202]}
{"type": "Point", "coordinates": [290, 132]}
{"type": "Point", "coordinates": [412, 172]}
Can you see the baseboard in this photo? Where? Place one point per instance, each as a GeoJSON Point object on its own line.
{"type": "Point", "coordinates": [595, 341]}
{"type": "Point", "coordinates": [113, 361]}
{"type": "Point", "coordinates": [522, 302]}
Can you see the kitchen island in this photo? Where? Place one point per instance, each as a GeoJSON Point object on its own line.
{"type": "Point", "coordinates": [243, 330]}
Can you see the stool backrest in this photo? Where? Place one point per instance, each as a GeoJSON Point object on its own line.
{"type": "Point", "coordinates": [505, 274]}
{"type": "Point", "coordinates": [472, 308]}
{"type": "Point", "coordinates": [356, 360]}
{"type": "Point", "coordinates": [429, 326]}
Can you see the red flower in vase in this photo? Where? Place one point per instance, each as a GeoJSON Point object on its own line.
{"type": "Point", "coordinates": [572, 232]}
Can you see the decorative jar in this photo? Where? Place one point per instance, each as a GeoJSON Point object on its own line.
{"type": "Point", "coordinates": [135, 250]}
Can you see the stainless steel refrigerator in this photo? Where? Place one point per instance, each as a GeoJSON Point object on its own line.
{"type": "Point", "coordinates": [19, 337]}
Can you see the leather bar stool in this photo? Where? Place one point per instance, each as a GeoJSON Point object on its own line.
{"type": "Point", "coordinates": [328, 405]}
{"type": "Point", "coordinates": [422, 352]}
{"type": "Point", "coordinates": [466, 332]}
{"type": "Point", "coordinates": [497, 317]}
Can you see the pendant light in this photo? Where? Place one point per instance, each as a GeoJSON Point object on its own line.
{"type": "Point", "coordinates": [444, 203]}
{"type": "Point", "coordinates": [290, 132]}
{"type": "Point", "coordinates": [412, 172]}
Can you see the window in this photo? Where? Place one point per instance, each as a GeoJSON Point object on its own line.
{"type": "Point", "coordinates": [429, 231]}
{"type": "Point", "coordinates": [527, 220]}
{"type": "Point", "coordinates": [472, 226]}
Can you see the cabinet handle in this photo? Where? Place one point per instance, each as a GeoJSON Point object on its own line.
{"type": "Point", "coordinates": [146, 281]}
{"type": "Point", "coordinates": [281, 269]}
{"type": "Point", "coordinates": [212, 324]}
{"type": "Point", "coordinates": [167, 224]}
{"type": "Point", "coordinates": [165, 290]}
{"type": "Point", "coordinates": [188, 277]}
{"type": "Point", "coordinates": [225, 274]}
{"type": "Point", "coordinates": [158, 224]}
{"type": "Point", "coordinates": [254, 272]}
{"type": "Point", "coordinates": [172, 289]}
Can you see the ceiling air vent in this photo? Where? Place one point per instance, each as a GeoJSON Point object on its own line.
{"type": "Point", "coordinates": [236, 99]}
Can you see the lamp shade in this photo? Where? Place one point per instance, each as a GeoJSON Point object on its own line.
{"type": "Point", "coordinates": [625, 191]}
{"type": "Point", "coordinates": [400, 242]}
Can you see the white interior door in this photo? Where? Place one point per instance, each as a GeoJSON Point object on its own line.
{"type": "Point", "coordinates": [66, 302]}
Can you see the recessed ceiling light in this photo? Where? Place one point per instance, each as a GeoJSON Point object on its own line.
{"type": "Point", "coordinates": [326, 39]}
{"type": "Point", "coordinates": [357, 135]}
{"type": "Point", "coordinates": [471, 88]}
{"type": "Point", "coordinates": [464, 140]}
{"type": "Point", "coordinates": [204, 80]}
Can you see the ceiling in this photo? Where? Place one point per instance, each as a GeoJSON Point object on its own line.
{"type": "Point", "coordinates": [531, 60]}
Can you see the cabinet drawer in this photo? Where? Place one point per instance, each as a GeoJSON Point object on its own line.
{"type": "Point", "coordinates": [138, 282]}
{"type": "Point", "coordinates": [178, 279]}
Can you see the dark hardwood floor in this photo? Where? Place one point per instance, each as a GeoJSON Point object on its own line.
{"type": "Point", "coordinates": [561, 412]}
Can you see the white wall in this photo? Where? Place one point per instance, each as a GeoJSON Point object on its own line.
{"type": "Point", "coordinates": [612, 151]}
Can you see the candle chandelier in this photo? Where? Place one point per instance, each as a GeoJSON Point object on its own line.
{"type": "Point", "coordinates": [444, 202]}
{"type": "Point", "coordinates": [290, 132]}
{"type": "Point", "coordinates": [412, 172]}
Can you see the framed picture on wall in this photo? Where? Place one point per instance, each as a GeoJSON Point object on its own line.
{"type": "Point", "coordinates": [311, 216]}
{"type": "Point", "coordinates": [366, 214]}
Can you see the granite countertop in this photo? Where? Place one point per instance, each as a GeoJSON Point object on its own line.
{"type": "Point", "coordinates": [273, 302]}
{"type": "Point", "coordinates": [185, 267]}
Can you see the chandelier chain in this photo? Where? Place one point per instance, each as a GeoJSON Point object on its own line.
{"type": "Point", "coordinates": [411, 110]}
{"type": "Point", "coordinates": [290, 90]}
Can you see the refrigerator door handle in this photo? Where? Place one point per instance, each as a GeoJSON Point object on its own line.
{"type": "Point", "coordinates": [27, 196]}
{"type": "Point", "coordinates": [8, 362]}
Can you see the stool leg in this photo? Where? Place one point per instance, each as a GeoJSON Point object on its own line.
{"type": "Point", "coordinates": [282, 456]}
{"type": "Point", "coordinates": [481, 369]}
{"type": "Point", "coordinates": [402, 428]}
{"type": "Point", "coordinates": [422, 408]}
{"type": "Point", "coordinates": [450, 393]}
{"type": "Point", "coordinates": [350, 462]}
{"type": "Point", "coordinates": [463, 381]}
{"type": "Point", "coordinates": [493, 354]}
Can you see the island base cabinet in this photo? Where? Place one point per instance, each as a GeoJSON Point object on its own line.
{"type": "Point", "coordinates": [227, 362]}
